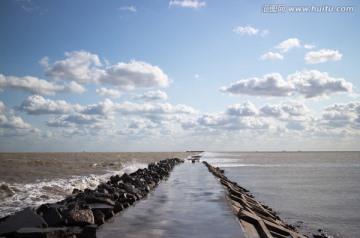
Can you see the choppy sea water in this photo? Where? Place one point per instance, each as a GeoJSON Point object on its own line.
{"type": "Point", "coordinates": [31, 179]}
{"type": "Point", "coordinates": [313, 190]}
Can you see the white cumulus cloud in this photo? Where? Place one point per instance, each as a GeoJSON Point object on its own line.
{"type": "Point", "coordinates": [272, 85]}
{"type": "Point", "coordinates": [79, 66]}
{"type": "Point", "coordinates": [271, 55]}
{"type": "Point", "coordinates": [112, 93]}
{"type": "Point", "coordinates": [187, 3]}
{"type": "Point", "coordinates": [322, 56]}
{"type": "Point", "coordinates": [242, 110]}
{"type": "Point", "coordinates": [288, 44]}
{"type": "Point", "coordinates": [37, 105]}
{"type": "Point", "coordinates": [249, 30]}
{"type": "Point", "coordinates": [39, 86]}
{"type": "Point", "coordinates": [136, 74]}
{"type": "Point", "coordinates": [83, 67]}
{"type": "Point", "coordinates": [13, 125]}
{"type": "Point", "coordinates": [314, 83]}
{"type": "Point", "coordinates": [342, 115]}
{"type": "Point", "coordinates": [152, 96]}
{"type": "Point", "coordinates": [309, 84]}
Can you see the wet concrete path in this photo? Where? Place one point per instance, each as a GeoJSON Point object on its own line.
{"type": "Point", "coordinates": [190, 203]}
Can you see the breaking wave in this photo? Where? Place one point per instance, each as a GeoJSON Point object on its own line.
{"type": "Point", "coordinates": [17, 196]}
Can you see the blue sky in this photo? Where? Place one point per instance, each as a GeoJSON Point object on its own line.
{"type": "Point", "coordinates": [174, 75]}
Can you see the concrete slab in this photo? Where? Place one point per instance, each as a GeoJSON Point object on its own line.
{"type": "Point", "coordinates": [190, 203]}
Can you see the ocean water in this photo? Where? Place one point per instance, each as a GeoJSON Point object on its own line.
{"type": "Point", "coordinates": [31, 179]}
{"type": "Point", "coordinates": [312, 190]}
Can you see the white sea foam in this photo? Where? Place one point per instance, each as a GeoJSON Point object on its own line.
{"type": "Point", "coordinates": [17, 196]}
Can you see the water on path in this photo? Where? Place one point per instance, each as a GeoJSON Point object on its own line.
{"type": "Point", "coordinates": [190, 203]}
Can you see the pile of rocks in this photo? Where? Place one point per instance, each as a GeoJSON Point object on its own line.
{"type": "Point", "coordinates": [79, 215]}
{"type": "Point", "coordinates": [256, 219]}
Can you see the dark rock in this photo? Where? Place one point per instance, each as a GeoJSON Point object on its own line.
{"type": "Point", "coordinates": [52, 217]}
{"type": "Point", "coordinates": [99, 217]}
{"type": "Point", "coordinates": [104, 195]}
{"type": "Point", "coordinates": [88, 232]}
{"type": "Point", "coordinates": [319, 236]}
{"type": "Point", "coordinates": [107, 210]}
{"type": "Point", "coordinates": [3, 219]}
{"type": "Point", "coordinates": [75, 191]}
{"type": "Point", "coordinates": [109, 215]}
{"type": "Point", "coordinates": [118, 207]}
{"type": "Point", "coordinates": [24, 218]}
{"type": "Point", "coordinates": [42, 209]}
{"type": "Point", "coordinates": [93, 199]}
{"type": "Point", "coordinates": [115, 179]}
{"type": "Point", "coordinates": [80, 217]}
{"type": "Point", "coordinates": [76, 205]}
{"type": "Point", "coordinates": [126, 178]}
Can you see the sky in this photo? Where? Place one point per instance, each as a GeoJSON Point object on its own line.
{"type": "Point", "coordinates": [176, 75]}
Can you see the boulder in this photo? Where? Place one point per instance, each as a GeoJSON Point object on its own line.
{"type": "Point", "coordinates": [80, 217]}
{"type": "Point", "coordinates": [24, 218]}
{"type": "Point", "coordinates": [99, 217]}
{"type": "Point", "coordinates": [52, 217]}
{"type": "Point", "coordinates": [88, 232]}
{"type": "Point", "coordinates": [92, 199]}
{"type": "Point", "coordinates": [118, 207]}
{"type": "Point", "coordinates": [115, 179]}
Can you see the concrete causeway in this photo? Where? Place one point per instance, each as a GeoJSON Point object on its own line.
{"type": "Point", "coordinates": [190, 203]}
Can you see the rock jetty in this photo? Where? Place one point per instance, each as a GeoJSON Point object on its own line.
{"type": "Point", "coordinates": [256, 219]}
{"type": "Point", "coordinates": [80, 214]}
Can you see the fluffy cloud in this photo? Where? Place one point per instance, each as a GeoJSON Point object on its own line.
{"type": "Point", "coordinates": [12, 122]}
{"type": "Point", "coordinates": [155, 109]}
{"type": "Point", "coordinates": [80, 120]}
{"type": "Point", "coordinates": [152, 96]}
{"type": "Point", "coordinates": [39, 86]}
{"type": "Point", "coordinates": [79, 66]}
{"type": "Point", "coordinates": [342, 115]}
{"type": "Point", "coordinates": [309, 84]}
{"type": "Point", "coordinates": [322, 56]}
{"type": "Point", "coordinates": [37, 105]}
{"type": "Point", "coordinates": [294, 108]}
{"type": "Point", "coordinates": [242, 110]}
{"type": "Point", "coordinates": [105, 108]}
{"type": "Point", "coordinates": [309, 46]}
{"type": "Point", "coordinates": [272, 85]}
{"type": "Point", "coordinates": [248, 30]}
{"type": "Point", "coordinates": [112, 93]}
{"type": "Point", "coordinates": [84, 67]}
{"type": "Point", "coordinates": [187, 3]}
{"type": "Point", "coordinates": [226, 122]}
{"type": "Point", "coordinates": [271, 55]}
{"type": "Point", "coordinates": [136, 74]}
{"type": "Point", "coordinates": [288, 44]}
{"type": "Point", "coordinates": [271, 110]}
{"type": "Point", "coordinates": [288, 110]}
{"type": "Point", "coordinates": [314, 83]}
{"type": "Point", "coordinates": [13, 125]}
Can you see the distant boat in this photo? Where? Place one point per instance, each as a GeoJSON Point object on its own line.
{"type": "Point", "coordinates": [195, 158]}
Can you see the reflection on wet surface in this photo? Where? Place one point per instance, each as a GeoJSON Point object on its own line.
{"type": "Point", "coordinates": [191, 203]}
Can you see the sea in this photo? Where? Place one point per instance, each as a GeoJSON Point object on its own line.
{"type": "Point", "coordinates": [311, 190]}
